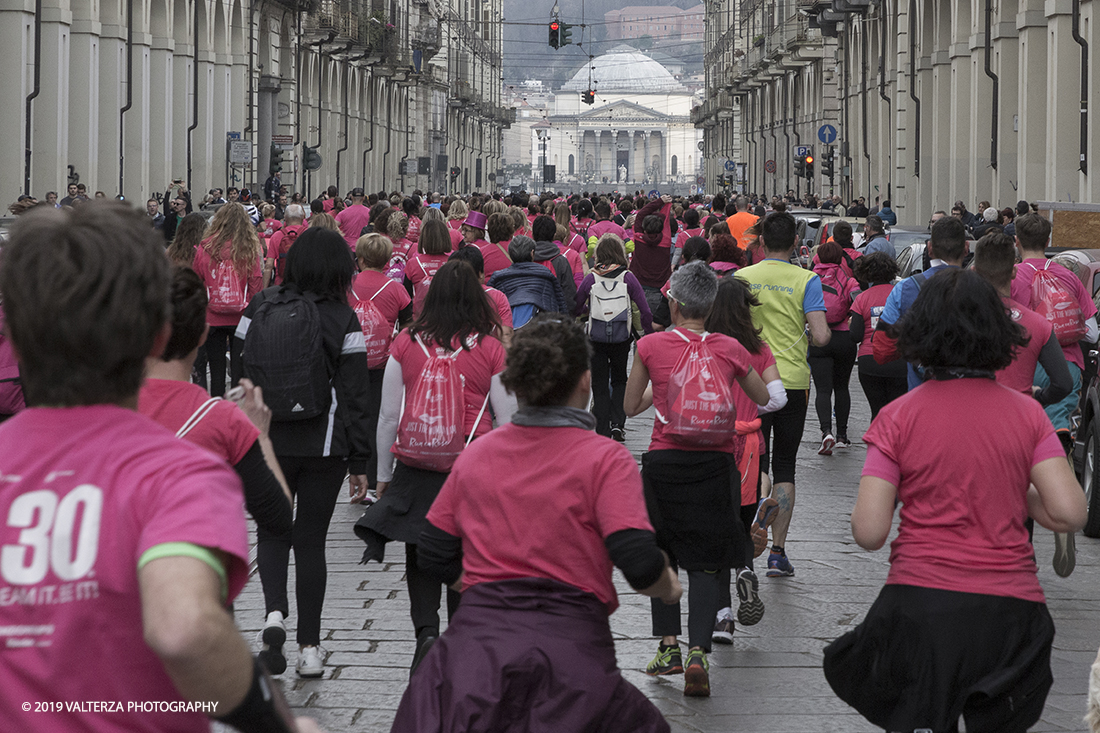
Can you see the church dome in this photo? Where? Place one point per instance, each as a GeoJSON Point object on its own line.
{"type": "Point", "coordinates": [624, 69]}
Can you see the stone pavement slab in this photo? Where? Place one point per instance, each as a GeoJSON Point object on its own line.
{"type": "Point", "coordinates": [769, 681]}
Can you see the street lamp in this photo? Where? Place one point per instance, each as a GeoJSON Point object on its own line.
{"type": "Point", "coordinates": [542, 168]}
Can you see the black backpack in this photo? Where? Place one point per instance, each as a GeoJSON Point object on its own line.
{"type": "Point", "coordinates": [284, 355]}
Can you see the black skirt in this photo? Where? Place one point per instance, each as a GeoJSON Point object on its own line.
{"type": "Point", "coordinates": [401, 513]}
{"type": "Point", "coordinates": [694, 503]}
{"type": "Point", "coordinates": [923, 657]}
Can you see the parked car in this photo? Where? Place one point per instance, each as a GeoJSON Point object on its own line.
{"type": "Point", "coordinates": [904, 237]}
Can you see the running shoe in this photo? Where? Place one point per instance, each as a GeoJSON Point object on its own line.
{"type": "Point", "coordinates": [697, 674]}
{"type": "Point", "coordinates": [1065, 554]}
{"type": "Point", "coordinates": [751, 609]}
{"type": "Point", "coordinates": [424, 644]}
{"type": "Point", "coordinates": [827, 443]}
{"type": "Point", "coordinates": [618, 434]}
{"type": "Point", "coordinates": [273, 637]}
{"type": "Point", "coordinates": [667, 661]}
{"type": "Point", "coordinates": [310, 663]}
{"type": "Point", "coordinates": [723, 628]}
{"type": "Point", "coordinates": [778, 565]}
{"type": "Point", "coordinates": [842, 440]}
{"type": "Point", "coordinates": [766, 512]}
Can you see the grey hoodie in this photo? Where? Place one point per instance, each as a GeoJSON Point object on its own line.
{"type": "Point", "coordinates": [549, 252]}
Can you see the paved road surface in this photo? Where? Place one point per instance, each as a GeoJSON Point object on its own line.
{"type": "Point", "coordinates": [769, 681]}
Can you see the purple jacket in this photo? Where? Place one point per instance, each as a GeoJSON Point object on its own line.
{"type": "Point", "coordinates": [531, 655]}
{"type": "Point", "coordinates": [633, 287]}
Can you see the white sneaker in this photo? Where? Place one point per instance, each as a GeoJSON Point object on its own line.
{"type": "Point", "coordinates": [723, 627]}
{"type": "Point", "coordinates": [273, 637]}
{"type": "Point", "coordinates": [310, 663]}
{"type": "Point", "coordinates": [827, 443]}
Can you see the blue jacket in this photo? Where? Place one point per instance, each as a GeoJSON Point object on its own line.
{"type": "Point", "coordinates": [531, 283]}
{"type": "Point", "coordinates": [888, 216]}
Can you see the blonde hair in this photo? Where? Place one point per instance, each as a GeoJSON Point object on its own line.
{"type": "Point", "coordinates": [231, 225]}
{"type": "Point", "coordinates": [492, 206]}
{"type": "Point", "coordinates": [458, 210]}
{"type": "Point", "coordinates": [562, 215]}
{"type": "Point", "coordinates": [398, 225]}
{"type": "Point", "coordinates": [562, 233]}
{"type": "Point", "coordinates": [374, 250]}
{"type": "Point", "coordinates": [322, 220]}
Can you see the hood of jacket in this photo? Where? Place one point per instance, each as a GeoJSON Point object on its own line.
{"type": "Point", "coordinates": [545, 251]}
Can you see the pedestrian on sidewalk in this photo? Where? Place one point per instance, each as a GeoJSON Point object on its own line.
{"type": "Point", "coordinates": [882, 383]}
{"type": "Point", "coordinates": [961, 627]}
{"type": "Point", "coordinates": [690, 471]}
{"type": "Point", "coordinates": [528, 585]}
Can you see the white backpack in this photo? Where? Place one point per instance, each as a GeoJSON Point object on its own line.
{"type": "Point", "coordinates": [609, 312]}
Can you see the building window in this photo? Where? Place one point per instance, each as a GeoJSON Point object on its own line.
{"type": "Point", "coordinates": [674, 165]}
{"type": "Point", "coordinates": [570, 164]}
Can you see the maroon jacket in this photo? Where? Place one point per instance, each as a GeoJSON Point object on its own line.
{"type": "Point", "coordinates": [652, 261]}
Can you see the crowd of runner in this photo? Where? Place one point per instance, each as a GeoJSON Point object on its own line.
{"type": "Point", "coordinates": [159, 379]}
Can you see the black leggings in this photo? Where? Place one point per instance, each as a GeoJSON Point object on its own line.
{"type": "Point", "coordinates": [424, 596]}
{"type": "Point", "coordinates": [881, 390]}
{"type": "Point", "coordinates": [316, 484]}
{"type": "Point", "coordinates": [725, 577]}
{"type": "Point", "coordinates": [216, 341]}
{"type": "Point", "coordinates": [703, 605]}
{"type": "Point", "coordinates": [609, 384]}
{"type": "Point", "coordinates": [831, 367]}
{"type": "Point", "coordinates": [787, 424]}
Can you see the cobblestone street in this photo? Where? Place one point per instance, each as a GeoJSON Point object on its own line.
{"type": "Point", "coordinates": [770, 680]}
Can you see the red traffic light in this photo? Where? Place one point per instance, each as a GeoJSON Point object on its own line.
{"type": "Point", "coordinates": [554, 26]}
{"type": "Point", "coordinates": [809, 159]}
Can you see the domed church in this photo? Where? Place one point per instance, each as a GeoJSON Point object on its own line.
{"type": "Point", "coordinates": [637, 133]}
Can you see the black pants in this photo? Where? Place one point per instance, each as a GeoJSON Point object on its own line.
{"type": "Point", "coordinates": [217, 340]}
{"type": "Point", "coordinates": [374, 406]}
{"type": "Point", "coordinates": [315, 483]}
{"type": "Point", "coordinates": [880, 389]}
{"type": "Point", "coordinates": [831, 366]}
{"type": "Point", "coordinates": [424, 596]}
{"type": "Point", "coordinates": [787, 425]}
{"type": "Point", "coordinates": [609, 384]}
{"type": "Point", "coordinates": [703, 604]}
{"type": "Point", "coordinates": [198, 369]}
{"type": "Point", "coordinates": [725, 577]}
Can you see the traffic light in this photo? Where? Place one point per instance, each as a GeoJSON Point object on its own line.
{"type": "Point", "coordinates": [311, 159]}
{"type": "Point", "coordinates": [276, 164]}
{"type": "Point", "coordinates": [455, 171]}
{"type": "Point", "coordinates": [799, 166]}
{"type": "Point", "coordinates": [588, 96]}
{"type": "Point", "coordinates": [554, 30]}
{"type": "Point", "coordinates": [827, 167]}
{"type": "Point", "coordinates": [809, 167]}
{"type": "Point", "coordinates": [565, 33]}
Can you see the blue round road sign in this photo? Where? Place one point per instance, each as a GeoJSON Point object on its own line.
{"type": "Point", "coordinates": [730, 165]}
{"type": "Point", "coordinates": [826, 134]}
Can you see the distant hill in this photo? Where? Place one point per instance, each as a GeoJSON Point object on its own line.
{"type": "Point", "coordinates": [527, 55]}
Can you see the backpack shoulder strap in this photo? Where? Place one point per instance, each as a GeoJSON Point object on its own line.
{"type": "Point", "coordinates": [503, 251]}
{"type": "Point", "coordinates": [920, 279]}
{"type": "Point", "coordinates": [197, 416]}
{"type": "Point", "coordinates": [379, 291]}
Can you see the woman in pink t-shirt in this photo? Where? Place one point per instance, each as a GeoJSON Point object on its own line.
{"type": "Point", "coordinates": [961, 627]}
{"type": "Point", "coordinates": [457, 324]}
{"type": "Point", "coordinates": [732, 316]}
{"type": "Point", "coordinates": [882, 383]}
{"type": "Point", "coordinates": [229, 261]}
{"type": "Point", "coordinates": [434, 248]}
{"type": "Point", "coordinates": [691, 479]}
{"type": "Point", "coordinates": [529, 590]}
{"type": "Point", "coordinates": [831, 365]}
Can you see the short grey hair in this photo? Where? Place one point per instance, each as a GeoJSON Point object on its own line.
{"type": "Point", "coordinates": [521, 248]}
{"type": "Point", "coordinates": [294, 211]}
{"type": "Point", "coordinates": [694, 286]}
{"type": "Point", "coordinates": [990, 214]}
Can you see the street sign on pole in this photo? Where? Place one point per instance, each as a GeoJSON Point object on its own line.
{"type": "Point", "coordinates": [800, 150]}
{"type": "Point", "coordinates": [700, 180]}
{"type": "Point", "coordinates": [729, 165]}
{"type": "Point", "coordinates": [826, 134]}
{"type": "Point", "coordinates": [233, 135]}
{"type": "Point", "coordinates": [240, 152]}
{"type": "Point", "coordinates": [286, 142]}
{"type": "Point", "coordinates": [769, 166]}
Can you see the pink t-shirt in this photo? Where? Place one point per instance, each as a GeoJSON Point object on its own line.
{"type": "Point", "coordinates": [1020, 374]}
{"type": "Point", "coordinates": [204, 265]}
{"type": "Point", "coordinates": [574, 261]}
{"type": "Point", "coordinates": [413, 233]}
{"type": "Point", "coordinates": [424, 266]}
{"type": "Point", "coordinates": [478, 366]}
{"type": "Point", "coordinates": [660, 351]}
{"type": "Point", "coordinates": [456, 238]}
{"type": "Point", "coordinates": [495, 256]}
{"type": "Point", "coordinates": [500, 302]}
{"type": "Point", "coordinates": [1021, 293]}
{"type": "Point", "coordinates": [225, 431]}
{"type": "Point", "coordinates": [960, 453]}
{"type": "Point", "coordinates": [869, 305]}
{"type": "Point", "coordinates": [275, 244]}
{"type": "Point", "coordinates": [499, 480]}
{"type": "Point", "coordinates": [86, 492]}
{"type": "Point", "coordinates": [746, 408]}
{"type": "Point", "coordinates": [351, 222]}
{"type": "Point", "coordinates": [390, 300]}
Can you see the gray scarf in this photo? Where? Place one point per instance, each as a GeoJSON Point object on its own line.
{"type": "Point", "coordinates": [554, 417]}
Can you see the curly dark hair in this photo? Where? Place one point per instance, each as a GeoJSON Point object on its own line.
{"type": "Point", "coordinates": [547, 358]}
{"type": "Point", "coordinates": [188, 298]}
{"type": "Point", "coordinates": [723, 248]}
{"type": "Point", "coordinates": [958, 320]}
{"type": "Point", "coordinates": [877, 267]}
